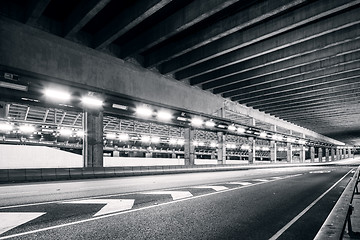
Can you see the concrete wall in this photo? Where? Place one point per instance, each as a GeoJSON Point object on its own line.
{"type": "Point", "coordinates": [128, 161]}
{"type": "Point", "coordinates": [19, 156]}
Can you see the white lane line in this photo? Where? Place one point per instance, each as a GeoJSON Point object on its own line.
{"type": "Point", "coordinates": [328, 171]}
{"type": "Point", "coordinates": [240, 183]}
{"type": "Point", "coordinates": [261, 180]}
{"type": "Point", "coordinates": [216, 188]}
{"type": "Point", "coordinates": [112, 205]}
{"type": "Point", "coordinates": [130, 211]}
{"type": "Point", "coordinates": [174, 194]}
{"type": "Point", "coordinates": [277, 177]}
{"type": "Point", "coordinates": [281, 231]}
{"type": "Point", "coordinates": [10, 220]}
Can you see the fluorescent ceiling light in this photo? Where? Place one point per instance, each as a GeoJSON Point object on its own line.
{"type": "Point", "coordinates": [119, 106]}
{"type": "Point", "coordinates": [201, 144]}
{"type": "Point", "coordinates": [124, 137]}
{"type": "Point", "coordinates": [13, 86]}
{"type": "Point", "coordinates": [240, 130]}
{"type": "Point", "coordinates": [222, 126]}
{"type": "Point", "coordinates": [197, 122]}
{"type": "Point", "coordinates": [155, 139]}
{"type": "Point", "coordinates": [210, 123]}
{"type": "Point", "coordinates": [195, 143]}
{"type": "Point", "coordinates": [263, 134]}
{"type": "Point", "coordinates": [91, 101]}
{"type": "Point", "coordinates": [111, 136]}
{"type": "Point", "coordinates": [232, 128]}
{"type": "Point", "coordinates": [57, 94]}
{"type": "Point", "coordinates": [80, 133]}
{"type": "Point", "coordinates": [143, 111]}
{"type": "Point", "coordinates": [65, 132]}
{"type": "Point", "coordinates": [266, 149]}
{"type": "Point", "coordinates": [164, 115]}
{"type": "Point", "coordinates": [257, 148]}
{"type": "Point", "coordinates": [27, 128]}
{"type": "Point", "coordinates": [181, 141]}
{"type": "Point", "coordinates": [245, 147]}
{"type": "Point", "coordinates": [145, 138]}
{"type": "Point", "coordinates": [6, 127]}
{"type": "Point", "coordinates": [172, 141]}
{"type": "Point", "coordinates": [213, 144]}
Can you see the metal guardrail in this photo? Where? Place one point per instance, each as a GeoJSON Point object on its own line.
{"type": "Point", "coordinates": [335, 224]}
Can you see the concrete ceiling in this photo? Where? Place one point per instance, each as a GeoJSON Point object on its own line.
{"type": "Point", "coordinates": [295, 59]}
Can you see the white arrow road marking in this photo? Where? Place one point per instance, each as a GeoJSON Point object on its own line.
{"type": "Point", "coordinates": [112, 205]}
{"type": "Point", "coordinates": [174, 194]}
{"type": "Point", "coordinates": [216, 188]}
{"type": "Point", "coordinates": [261, 180]}
{"type": "Point", "coordinates": [10, 220]}
{"type": "Point", "coordinates": [240, 183]}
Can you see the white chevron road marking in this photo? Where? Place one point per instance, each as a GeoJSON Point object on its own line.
{"type": "Point", "coordinates": [10, 220]}
{"type": "Point", "coordinates": [174, 194]}
{"type": "Point", "coordinates": [112, 205]}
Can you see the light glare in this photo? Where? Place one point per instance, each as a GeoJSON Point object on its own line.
{"type": "Point", "coordinates": [57, 94]}
{"type": "Point", "coordinates": [5, 127]}
{"type": "Point", "coordinates": [91, 101]}
{"type": "Point", "coordinates": [27, 128]}
{"type": "Point", "coordinates": [143, 111]}
{"type": "Point", "coordinates": [164, 116]}
{"type": "Point", "coordinates": [197, 122]}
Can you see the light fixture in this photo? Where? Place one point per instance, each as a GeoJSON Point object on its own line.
{"type": "Point", "coordinates": [91, 101]}
{"type": "Point", "coordinates": [245, 147]}
{"type": "Point", "coordinates": [119, 106]}
{"type": "Point", "coordinates": [266, 149]}
{"type": "Point", "coordinates": [196, 122]}
{"type": "Point", "coordinates": [213, 144]}
{"type": "Point", "coordinates": [196, 143]}
{"type": "Point", "coordinates": [58, 95]}
{"type": "Point", "coordinates": [145, 138]}
{"type": "Point", "coordinates": [201, 144]}
{"type": "Point", "coordinates": [210, 123]}
{"type": "Point", "coordinates": [257, 148]}
{"type": "Point", "coordinates": [182, 119]}
{"type": "Point", "coordinates": [123, 137]}
{"type": "Point", "coordinates": [6, 127]}
{"type": "Point", "coordinates": [143, 111]}
{"type": "Point", "coordinates": [155, 139]}
{"type": "Point", "coordinates": [27, 128]}
{"type": "Point", "coordinates": [13, 86]}
{"type": "Point", "coordinates": [263, 134]}
{"type": "Point", "coordinates": [181, 141]}
{"type": "Point", "coordinates": [291, 139]}
{"type": "Point", "coordinates": [232, 128]}
{"type": "Point", "coordinates": [65, 131]}
{"type": "Point", "coordinates": [111, 136]}
{"type": "Point", "coordinates": [221, 126]}
{"type": "Point", "coordinates": [241, 130]}
{"type": "Point", "coordinates": [172, 141]}
{"type": "Point", "coordinates": [80, 133]}
{"type": "Point", "coordinates": [164, 116]}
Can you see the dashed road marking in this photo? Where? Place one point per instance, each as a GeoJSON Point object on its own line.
{"type": "Point", "coordinates": [327, 171]}
{"type": "Point", "coordinates": [112, 205]}
{"type": "Point", "coordinates": [261, 180]}
{"type": "Point", "coordinates": [240, 183]}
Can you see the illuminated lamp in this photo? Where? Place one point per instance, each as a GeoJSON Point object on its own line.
{"type": "Point", "coordinates": [143, 111]}
{"type": "Point", "coordinates": [263, 134]}
{"type": "Point", "coordinates": [210, 123]}
{"type": "Point", "coordinates": [233, 146]}
{"type": "Point", "coordinates": [213, 144]}
{"type": "Point", "coordinates": [201, 144]}
{"type": "Point", "coordinates": [80, 133]}
{"type": "Point", "coordinates": [124, 137]}
{"type": "Point", "coordinates": [155, 139]}
{"type": "Point", "coordinates": [232, 128]}
{"type": "Point", "coordinates": [241, 130]}
{"type": "Point", "coordinates": [196, 143]}
{"type": "Point", "coordinates": [65, 131]}
{"type": "Point", "coordinates": [181, 141]}
{"type": "Point", "coordinates": [164, 116]}
{"type": "Point", "coordinates": [5, 127]}
{"type": "Point", "coordinates": [57, 94]}
{"type": "Point", "coordinates": [173, 141]}
{"type": "Point", "coordinates": [257, 148]}
{"type": "Point", "coordinates": [27, 128]}
{"type": "Point", "coordinates": [266, 149]}
{"type": "Point", "coordinates": [245, 147]}
{"type": "Point", "coordinates": [91, 101]}
{"type": "Point", "coordinates": [197, 122]}
{"type": "Point", "coordinates": [111, 136]}
{"type": "Point", "coordinates": [145, 138]}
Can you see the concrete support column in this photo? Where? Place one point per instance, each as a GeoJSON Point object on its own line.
{"type": "Point", "coordinates": [93, 139]}
{"type": "Point", "coordinates": [273, 153]}
{"type": "Point", "coordinates": [189, 148]}
{"type": "Point", "coordinates": [312, 154]}
{"type": "Point", "coordinates": [337, 154]}
{"type": "Point", "coordinates": [327, 155]}
{"type": "Point", "coordinates": [302, 153]}
{"type": "Point", "coordinates": [320, 154]}
{"type": "Point", "coordinates": [332, 154]}
{"type": "Point", "coordinates": [342, 153]}
{"type": "Point", "coordinates": [347, 153]}
{"type": "Point", "coordinates": [252, 150]}
{"type": "Point", "coordinates": [289, 152]}
{"type": "Point", "coordinates": [221, 154]}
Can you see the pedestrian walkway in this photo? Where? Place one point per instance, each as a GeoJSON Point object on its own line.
{"type": "Point", "coordinates": [355, 220]}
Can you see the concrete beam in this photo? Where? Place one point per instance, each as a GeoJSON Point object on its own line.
{"type": "Point", "coordinates": [34, 10]}
{"type": "Point", "coordinates": [127, 20]}
{"type": "Point", "coordinates": [265, 38]}
{"type": "Point", "coordinates": [298, 88]}
{"type": "Point", "coordinates": [186, 17]}
{"type": "Point", "coordinates": [314, 49]}
{"type": "Point", "coordinates": [317, 93]}
{"type": "Point", "coordinates": [312, 117]}
{"type": "Point", "coordinates": [82, 14]}
{"type": "Point", "coordinates": [249, 16]}
{"type": "Point", "coordinates": [308, 100]}
{"type": "Point", "coordinates": [285, 72]}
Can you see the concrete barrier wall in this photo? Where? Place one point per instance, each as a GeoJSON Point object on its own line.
{"type": "Point", "coordinates": [21, 156]}
{"type": "Point", "coordinates": [127, 161]}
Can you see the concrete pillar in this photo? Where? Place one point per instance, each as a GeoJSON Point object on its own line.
{"type": "Point", "coordinates": [337, 154]}
{"type": "Point", "coordinates": [221, 154]}
{"type": "Point", "coordinates": [312, 154]}
{"type": "Point", "coordinates": [327, 155]}
{"type": "Point", "coordinates": [332, 154]}
{"type": "Point", "coordinates": [273, 153]}
{"type": "Point", "coordinates": [289, 152]}
{"type": "Point", "coordinates": [320, 154]}
{"type": "Point", "coordinates": [342, 153]}
{"type": "Point", "coordinates": [302, 154]}
{"type": "Point", "coordinates": [189, 148]}
{"type": "Point", "coordinates": [93, 139]}
{"type": "Point", "coordinates": [252, 150]}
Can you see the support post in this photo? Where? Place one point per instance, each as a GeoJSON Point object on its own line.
{"type": "Point", "coordinates": [289, 153]}
{"type": "Point", "coordinates": [320, 154]}
{"type": "Point", "coordinates": [327, 155]}
{"type": "Point", "coordinates": [189, 148]}
{"type": "Point", "coordinates": [252, 150]}
{"type": "Point", "coordinates": [302, 153]}
{"type": "Point", "coordinates": [93, 139]}
{"type": "Point", "coordinates": [273, 153]}
{"type": "Point", "coordinates": [337, 154]}
{"type": "Point", "coordinates": [312, 154]}
{"type": "Point", "coordinates": [221, 154]}
{"type": "Point", "coordinates": [332, 154]}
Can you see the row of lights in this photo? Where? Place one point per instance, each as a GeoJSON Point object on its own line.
{"type": "Point", "coordinates": [30, 129]}
{"type": "Point", "coordinates": [62, 96]}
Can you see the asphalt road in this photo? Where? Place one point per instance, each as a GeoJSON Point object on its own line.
{"type": "Point", "coordinates": [283, 203]}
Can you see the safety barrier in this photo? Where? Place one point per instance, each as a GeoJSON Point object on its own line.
{"type": "Point", "coordinates": [335, 224]}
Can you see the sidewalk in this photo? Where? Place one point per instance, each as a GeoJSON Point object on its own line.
{"type": "Point", "coordinates": [355, 219]}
